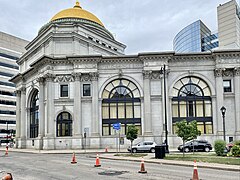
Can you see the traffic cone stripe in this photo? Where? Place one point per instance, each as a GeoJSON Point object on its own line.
{"type": "Point", "coordinates": [195, 171]}
{"type": "Point", "coordinates": [97, 162]}
{"type": "Point", "coordinates": [142, 168]}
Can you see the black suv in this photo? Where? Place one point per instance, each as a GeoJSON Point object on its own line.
{"type": "Point", "coordinates": [196, 145]}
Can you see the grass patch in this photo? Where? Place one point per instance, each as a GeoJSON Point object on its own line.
{"type": "Point", "coordinates": [131, 155]}
{"type": "Point", "coordinates": [209, 158]}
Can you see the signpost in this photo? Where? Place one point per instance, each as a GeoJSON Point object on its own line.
{"type": "Point", "coordinates": [117, 127]}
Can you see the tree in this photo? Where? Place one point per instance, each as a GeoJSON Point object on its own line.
{"type": "Point", "coordinates": [187, 131]}
{"type": "Point", "coordinates": [132, 133]}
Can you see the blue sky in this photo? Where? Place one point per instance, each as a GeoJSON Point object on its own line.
{"type": "Point", "coordinates": [143, 25]}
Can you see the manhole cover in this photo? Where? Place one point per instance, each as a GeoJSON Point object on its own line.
{"type": "Point", "coordinates": [112, 173]}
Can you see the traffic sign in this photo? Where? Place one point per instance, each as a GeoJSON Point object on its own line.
{"type": "Point", "coordinates": [117, 126]}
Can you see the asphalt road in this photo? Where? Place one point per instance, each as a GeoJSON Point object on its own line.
{"type": "Point", "coordinates": [26, 166]}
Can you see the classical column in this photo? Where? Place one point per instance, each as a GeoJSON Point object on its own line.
{"type": "Point", "coordinates": [95, 120]}
{"type": "Point", "coordinates": [237, 99]}
{"type": "Point", "coordinates": [77, 122]}
{"type": "Point", "coordinates": [219, 97]}
{"type": "Point", "coordinates": [50, 106]}
{"type": "Point", "coordinates": [147, 103]}
{"type": "Point", "coordinates": [18, 114]}
{"type": "Point", "coordinates": [23, 113]}
{"type": "Point", "coordinates": [41, 132]}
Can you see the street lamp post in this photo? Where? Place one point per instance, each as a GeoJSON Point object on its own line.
{"type": "Point", "coordinates": [163, 71]}
{"type": "Point", "coordinates": [223, 110]}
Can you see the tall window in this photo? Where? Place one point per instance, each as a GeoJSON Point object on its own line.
{"type": "Point", "coordinates": [64, 90]}
{"type": "Point", "coordinates": [86, 90]}
{"type": "Point", "coordinates": [192, 101]}
{"type": "Point", "coordinates": [34, 115]}
{"type": "Point", "coordinates": [227, 86]}
{"type": "Point", "coordinates": [121, 104]}
{"type": "Point", "coordinates": [64, 124]}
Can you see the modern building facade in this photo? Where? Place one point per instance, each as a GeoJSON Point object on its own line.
{"type": "Point", "coordinates": [229, 25]}
{"type": "Point", "coordinates": [75, 82]}
{"type": "Point", "coordinates": [11, 49]}
{"type": "Point", "coordinates": [196, 37]}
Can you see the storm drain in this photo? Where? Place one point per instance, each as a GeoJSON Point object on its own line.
{"type": "Point", "coordinates": [112, 173]}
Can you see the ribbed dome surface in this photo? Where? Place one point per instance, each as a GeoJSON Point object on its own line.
{"type": "Point", "coordinates": [77, 13]}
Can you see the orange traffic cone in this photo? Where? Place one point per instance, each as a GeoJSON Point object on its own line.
{"type": "Point", "coordinates": [97, 162]}
{"type": "Point", "coordinates": [106, 149]}
{"type": "Point", "coordinates": [142, 169]}
{"type": "Point", "coordinates": [6, 152]}
{"type": "Point", "coordinates": [195, 171]}
{"type": "Point", "coordinates": [7, 177]}
{"type": "Point", "coordinates": [73, 159]}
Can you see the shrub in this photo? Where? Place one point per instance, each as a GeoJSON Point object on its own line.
{"type": "Point", "coordinates": [235, 151]}
{"type": "Point", "coordinates": [219, 146]}
{"type": "Point", "coordinates": [237, 142]}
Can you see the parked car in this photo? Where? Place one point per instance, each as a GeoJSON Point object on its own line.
{"type": "Point", "coordinates": [196, 145]}
{"type": "Point", "coordinates": [145, 146]}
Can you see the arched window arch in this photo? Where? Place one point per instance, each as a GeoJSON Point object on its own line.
{"type": "Point", "coordinates": [192, 101]}
{"type": "Point", "coordinates": [121, 104]}
{"type": "Point", "coordinates": [34, 114]}
{"type": "Point", "coordinates": [64, 124]}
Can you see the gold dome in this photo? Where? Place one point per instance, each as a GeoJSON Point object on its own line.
{"type": "Point", "coordinates": [77, 12]}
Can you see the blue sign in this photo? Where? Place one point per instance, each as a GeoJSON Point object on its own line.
{"type": "Point", "coordinates": [117, 126]}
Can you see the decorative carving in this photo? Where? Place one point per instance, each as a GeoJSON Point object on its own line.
{"type": "Point", "coordinates": [40, 80]}
{"type": "Point", "coordinates": [236, 71]}
{"type": "Point", "coordinates": [228, 72]}
{"type": "Point", "coordinates": [147, 74]}
{"type": "Point", "coordinates": [23, 90]}
{"type": "Point", "coordinates": [85, 77]}
{"type": "Point", "coordinates": [156, 75]}
{"type": "Point", "coordinates": [120, 73]}
{"type": "Point", "coordinates": [18, 93]}
{"type": "Point", "coordinates": [127, 65]}
{"type": "Point", "coordinates": [94, 76]}
{"type": "Point", "coordinates": [64, 78]}
{"type": "Point", "coordinates": [77, 76]}
{"type": "Point", "coordinates": [219, 72]}
{"type": "Point", "coordinates": [49, 77]}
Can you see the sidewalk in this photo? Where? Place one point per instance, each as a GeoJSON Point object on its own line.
{"type": "Point", "coordinates": [150, 158]}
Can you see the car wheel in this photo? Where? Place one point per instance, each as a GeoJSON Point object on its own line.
{"type": "Point", "coordinates": [207, 149]}
{"type": "Point", "coordinates": [134, 150]}
{"type": "Point", "coordinates": [186, 150]}
{"type": "Point", "coordinates": [152, 150]}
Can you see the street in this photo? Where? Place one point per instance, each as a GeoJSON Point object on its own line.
{"type": "Point", "coordinates": [28, 166]}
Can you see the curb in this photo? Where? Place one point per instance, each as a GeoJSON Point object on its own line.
{"type": "Point", "coordinates": [178, 163]}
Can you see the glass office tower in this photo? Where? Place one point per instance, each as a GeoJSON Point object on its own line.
{"type": "Point", "coordinates": [196, 37]}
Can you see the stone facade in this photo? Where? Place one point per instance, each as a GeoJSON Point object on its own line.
{"type": "Point", "coordinates": [63, 100]}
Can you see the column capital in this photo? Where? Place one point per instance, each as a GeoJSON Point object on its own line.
{"type": "Point", "coordinates": [23, 90]}
{"type": "Point", "coordinates": [219, 72]}
{"type": "Point", "coordinates": [77, 76]}
{"type": "Point", "coordinates": [147, 74]}
{"type": "Point", "coordinates": [18, 92]}
{"type": "Point", "coordinates": [237, 71]}
{"type": "Point", "coordinates": [94, 76]}
{"type": "Point", "coordinates": [49, 77]}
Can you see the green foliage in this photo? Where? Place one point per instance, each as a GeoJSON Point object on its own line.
{"type": "Point", "coordinates": [132, 133]}
{"type": "Point", "coordinates": [235, 151]}
{"type": "Point", "coordinates": [237, 142]}
{"type": "Point", "coordinates": [187, 131]}
{"type": "Point", "coordinates": [219, 146]}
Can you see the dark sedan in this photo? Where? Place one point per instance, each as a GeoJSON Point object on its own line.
{"type": "Point", "coordinates": [196, 145]}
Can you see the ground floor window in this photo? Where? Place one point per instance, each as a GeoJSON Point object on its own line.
{"type": "Point", "coordinates": [64, 124]}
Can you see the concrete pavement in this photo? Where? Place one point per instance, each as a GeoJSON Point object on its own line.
{"type": "Point", "coordinates": [150, 158]}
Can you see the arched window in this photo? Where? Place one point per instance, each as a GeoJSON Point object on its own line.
{"type": "Point", "coordinates": [34, 115]}
{"type": "Point", "coordinates": [121, 104]}
{"type": "Point", "coordinates": [191, 101]}
{"type": "Point", "coordinates": [64, 124]}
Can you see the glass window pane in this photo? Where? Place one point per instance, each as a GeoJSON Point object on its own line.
{"type": "Point", "coordinates": [183, 110]}
{"type": "Point", "coordinates": [121, 112]}
{"type": "Point", "coordinates": [105, 111]}
{"type": "Point", "coordinates": [175, 109]}
{"type": "Point", "coordinates": [208, 109]}
{"type": "Point", "coordinates": [131, 86]}
{"type": "Point", "coordinates": [105, 130]}
{"type": "Point", "coordinates": [113, 111]}
{"type": "Point", "coordinates": [86, 90]}
{"type": "Point", "coordinates": [129, 110]}
{"type": "Point", "coordinates": [200, 127]}
{"type": "Point", "coordinates": [105, 94]}
{"type": "Point", "coordinates": [137, 111]}
{"type": "Point", "coordinates": [209, 128]}
{"type": "Point", "coordinates": [199, 108]}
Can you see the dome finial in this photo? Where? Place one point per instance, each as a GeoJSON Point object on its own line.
{"type": "Point", "coordinates": [77, 5]}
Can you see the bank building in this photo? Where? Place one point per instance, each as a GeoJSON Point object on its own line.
{"type": "Point", "coordinates": [75, 82]}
